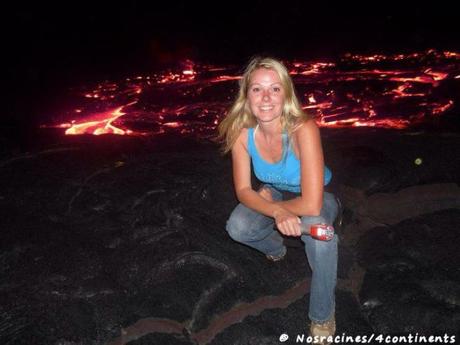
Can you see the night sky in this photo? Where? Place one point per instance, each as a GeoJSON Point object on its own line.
{"type": "Point", "coordinates": [51, 47]}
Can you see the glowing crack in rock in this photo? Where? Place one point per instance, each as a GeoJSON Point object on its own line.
{"type": "Point", "coordinates": [384, 91]}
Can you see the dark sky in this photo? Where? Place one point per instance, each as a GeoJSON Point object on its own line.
{"type": "Point", "coordinates": [82, 32]}
{"type": "Point", "coordinates": [51, 46]}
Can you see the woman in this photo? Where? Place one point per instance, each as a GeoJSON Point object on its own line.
{"type": "Point", "coordinates": [266, 126]}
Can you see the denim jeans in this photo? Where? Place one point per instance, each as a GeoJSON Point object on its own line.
{"type": "Point", "coordinates": [257, 231]}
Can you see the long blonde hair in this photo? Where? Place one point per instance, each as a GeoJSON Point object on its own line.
{"type": "Point", "coordinates": [240, 116]}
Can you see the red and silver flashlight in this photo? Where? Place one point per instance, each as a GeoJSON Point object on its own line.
{"type": "Point", "coordinates": [322, 232]}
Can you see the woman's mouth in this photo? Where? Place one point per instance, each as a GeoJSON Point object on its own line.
{"type": "Point", "coordinates": [266, 108]}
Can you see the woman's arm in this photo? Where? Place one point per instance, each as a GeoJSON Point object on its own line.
{"type": "Point", "coordinates": [312, 172]}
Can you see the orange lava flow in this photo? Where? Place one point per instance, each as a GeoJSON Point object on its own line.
{"type": "Point", "coordinates": [383, 91]}
{"type": "Point", "coordinates": [98, 124]}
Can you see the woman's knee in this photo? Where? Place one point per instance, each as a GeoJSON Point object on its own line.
{"type": "Point", "coordinates": [311, 220]}
{"type": "Point", "coordinates": [236, 227]}
{"type": "Point", "coordinates": [330, 208]}
{"type": "Point", "coordinates": [244, 224]}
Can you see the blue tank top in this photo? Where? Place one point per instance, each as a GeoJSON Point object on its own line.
{"type": "Point", "coordinates": [284, 174]}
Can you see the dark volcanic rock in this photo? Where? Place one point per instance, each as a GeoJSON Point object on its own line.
{"type": "Point", "coordinates": [412, 283]}
{"type": "Point", "coordinates": [365, 168]}
{"type": "Point", "coordinates": [94, 246]}
{"type": "Point", "coordinates": [109, 240]}
{"type": "Point", "coordinates": [380, 161]}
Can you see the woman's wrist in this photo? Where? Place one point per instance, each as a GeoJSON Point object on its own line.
{"type": "Point", "coordinates": [276, 211]}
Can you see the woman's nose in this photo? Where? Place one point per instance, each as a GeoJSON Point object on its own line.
{"type": "Point", "coordinates": [266, 95]}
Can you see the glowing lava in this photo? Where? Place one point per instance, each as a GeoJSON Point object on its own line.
{"type": "Point", "coordinates": [387, 91]}
{"type": "Point", "coordinates": [99, 124]}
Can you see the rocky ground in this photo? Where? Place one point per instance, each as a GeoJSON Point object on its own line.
{"type": "Point", "coordinates": [116, 240]}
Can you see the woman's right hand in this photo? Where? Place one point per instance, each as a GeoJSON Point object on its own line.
{"type": "Point", "coordinates": [288, 223]}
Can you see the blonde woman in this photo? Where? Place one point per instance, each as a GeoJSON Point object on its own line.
{"type": "Point", "coordinates": [267, 130]}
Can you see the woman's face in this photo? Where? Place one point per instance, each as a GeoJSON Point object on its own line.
{"type": "Point", "coordinates": [266, 95]}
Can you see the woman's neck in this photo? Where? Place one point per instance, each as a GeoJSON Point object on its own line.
{"type": "Point", "coordinates": [270, 130]}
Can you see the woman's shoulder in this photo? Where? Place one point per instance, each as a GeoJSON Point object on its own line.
{"type": "Point", "coordinates": [306, 128]}
{"type": "Point", "coordinates": [243, 137]}
{"type": "Point", "coordinates": [243, 134]}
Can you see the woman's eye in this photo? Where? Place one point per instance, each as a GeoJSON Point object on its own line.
{"type": "Point", "coordinates": [255, 89]}
{"type": "Point", "coordinates": [276, 89]}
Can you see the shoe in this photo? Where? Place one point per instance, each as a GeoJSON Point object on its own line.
{"type": "Point", "coordinates": [323, 330]}
{"type": "Point", "coordinates": [275, 258]}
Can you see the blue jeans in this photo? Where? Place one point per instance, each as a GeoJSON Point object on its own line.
{"type": "Point", "coordinates": [257, 231]}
